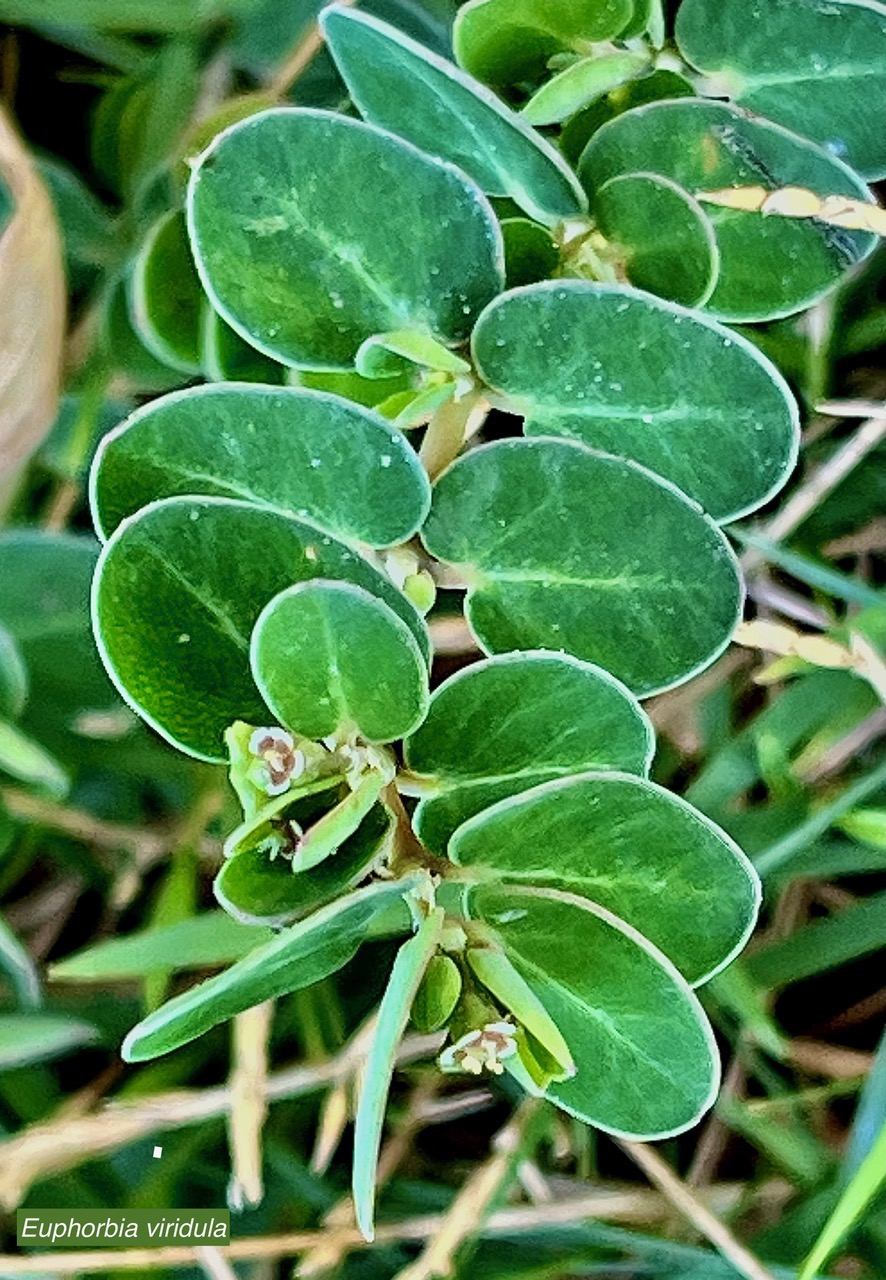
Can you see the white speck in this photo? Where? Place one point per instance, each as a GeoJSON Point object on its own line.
{"type": "Point", "coordinates": [315, 462]}
{"type": "Point", "coordinates": [158, 1152]}
{"type": "Point", "coordinates": [184, 638]}
{"type": "Point", "coordinates": [385, 460]}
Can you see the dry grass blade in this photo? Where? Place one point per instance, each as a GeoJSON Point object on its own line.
{"type": "Point", "coordinates": [249, 1104]}
{"type": "Point", "coordinates": [32, 320]}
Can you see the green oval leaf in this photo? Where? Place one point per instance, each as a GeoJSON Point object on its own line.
{"type": "Point", "coordinates": [258, 889]}
{"type": "Point", "coordinates": [329, 658]}
{"type": "Point", "coordinates": [505, 42]}
{"type": "Point", "coordinates": [819, 69]}
{"type": "Point", "coordinates": [402, 86]}
{"type": "Point", "coordinates": [666, 238]}
{"type": "Point", "coordinates": [646, 380]}
{"type": "Point", "coordinates": [509, 723]}
{"type": "Point", "coordinates": [173, 608]}
{"type": "Point", "coordinates": [165, 295]}
{"type": "Point", "coordinates": [572, 550]}
{"type": "Point", "coordinates": [631, 847]}
{"type": "Point", "coordinates": [296, 958]}
{"type": "Point", "coordinates": [646, 1060]}
{"type": "Point", "coordinates": [580, 85]}
{"type": "Point", "coordinates": [769, 267]}
{"type": "Point", "coordinates": [305, 453]}
{"type": "Point", "coordinates": [306, 269]}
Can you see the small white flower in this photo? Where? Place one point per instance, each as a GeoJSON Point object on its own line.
{"type": "Point", "coordinates": [487, 1048]}
{"type": "Point", "coordinates": [281, 761]}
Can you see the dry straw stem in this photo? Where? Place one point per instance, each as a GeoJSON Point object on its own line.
{"type": "Point", "coordinates": [32, 319]}
{"type": "Point", "coordinates": [621, 1206]}
{"type": "Point", "coordinates": [249, 1103]}
{"type": "Point", "coordinates": [61, 1144]}
{"type": "Point", "coordinates": [690, 1205]}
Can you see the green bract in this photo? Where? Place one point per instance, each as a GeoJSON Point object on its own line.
{"type": "Point", "coordinates": [817, 68]}
{"type": "Point", "coordinates": [309, 240]}
{"type": "Point", "coordinates": [566, 548]}
{"type": "Point", "coordinates": [402, 86]}
{"type": "Point", "coordinates": [769, 267]}
{"type": "Point", "coordinates": [642, 379]}
{"type": "Point", "coordinates": [288, 448]}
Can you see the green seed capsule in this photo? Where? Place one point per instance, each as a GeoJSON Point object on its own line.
{"type": "Point", "coordinates": [438, 994]}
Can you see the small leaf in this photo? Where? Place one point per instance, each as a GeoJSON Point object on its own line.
{"type": "Point", "coordinates": [402, 86]}
{"type": "Point", "coordinates": [645, 1056]}
{"type": "Point", "coordinates": [25, 760]}
{"type": "Point", "coordinates": [572, 550]}
{"type": "Point", "coordinates": [208, 939]}
{"type": "Point", "coordinates": [816, 68]}
{"type": "Point", "coordinates": [504, 42]}
{"type": "Point", "coordinates": [769, 267]}
{"type": "Point", "coordinates": [255, 888]}
{"type": "Point", "coordinates": [530, 252]}
{"type": "Point", "coordinates": [166, 300]}
{"type": "Point", "coordinates": [298, 451]}
{"type": "Point", "coordinates": [389, 240]}
{"type": "Point", "coordinates": [506, 724]}
{"type": "Point", "coordinates": [174, 609]}
{"type": "Point", "coordinates": [331, 659]}
{"type": "Point", "coordinates": [295, 958]}
{"type": "Point", "coordinates": [647, 380]}
{"type": "Point", "coordinates": [499, 976]}
{"type": "Point", "coordinates": [19, 968]}
{"type": "Point", "coordinates": [388, 354]}
{"type": "Point", "coordinates": [667, 239]}
{"type": "Point", "coordinates": [631, 847]}
{"type": "Point", "coordinates": [437, 995]}
{"type": "Point", "coordinates": [580, 85]}
{"type": "Point", "coordinates": [27, 1038]}
{"type": "Point", "coordinates": [226, 357]}
{"type": "Point", "coordinates": [13, 678]}
{"type": "Point", "coordinates": [393, 1016]}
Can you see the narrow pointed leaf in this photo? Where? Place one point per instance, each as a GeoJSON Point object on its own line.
{"type": "Point", "coordinates": [295, 958]}
{"type": "Point", "coordinates": [174, 608]}
{"type": "Point", "coordinates": [633, 848]}
{"type": "Point", "coordinates": [647, 380]}
{"type": "Point", "coordinates": [509, 723]}
{"type": "Point", "coordinates": [347, 232]}
{"type": "Point", "coordinates": [306, 453]}
{"type": "Point", "coordinates": [572, 550]}
{"type": "Point", "coordinates": [330, 658]}
{"type": "Point", "coordinates": [393, 1016]}
{"type": "Point", "coordinates": [404, 87]}
{"type": "Point", "coordinates": [13, 677]}
{"type": "Point", "coordinates": [581, 84]}
{"type": "Point", "coordinates": [646, 1060]}
{"type": "Point", "coordinates": [769, 267]}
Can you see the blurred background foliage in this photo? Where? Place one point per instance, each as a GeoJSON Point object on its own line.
{"type": "Point", "coordinates": [109, 839]}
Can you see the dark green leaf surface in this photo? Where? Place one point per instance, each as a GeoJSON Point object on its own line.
{"type": "Point", "coordinates": [254, 888]}
{"type": "Point", "coordinates": [27, 1038]}
{"type": "Point", "coordinates": [313, 232]}
{"type": "Point", "coordinates": [817, 68]}
{"type": "Point", "coordinates": [226, 357]}
{"type": "Point", "coordinates": [166, 299]}
{"type": "Point", "coordinates": [13, 678]}
{"type": "Point", "coordinates": [647, 380]}
{"type": "Point", "coordinates": [331, 659]}
{"type": "Point", "coordinates": [631, 847]}
{"type": "Point", "coordinates": [506, 724]}
{"type": "Point", "coordinates": [295, 958]}
{"type": "Point", "coordinates": [174, 608]}
{"type": "Point", "coordinates": [399, 85]}
{"type": "Point", "coordinates": [571, 550]}
{"type": "Point", "coordinates": [769, 267]}
{"type": "Point", "coordinates": [393, 1015]}
{"type": "Point", "coordinates": [646, 1059]}
{"type": "Point", "coordinates": [306, 453]}
{"type": "Point", "coordinates": [665, 236]}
